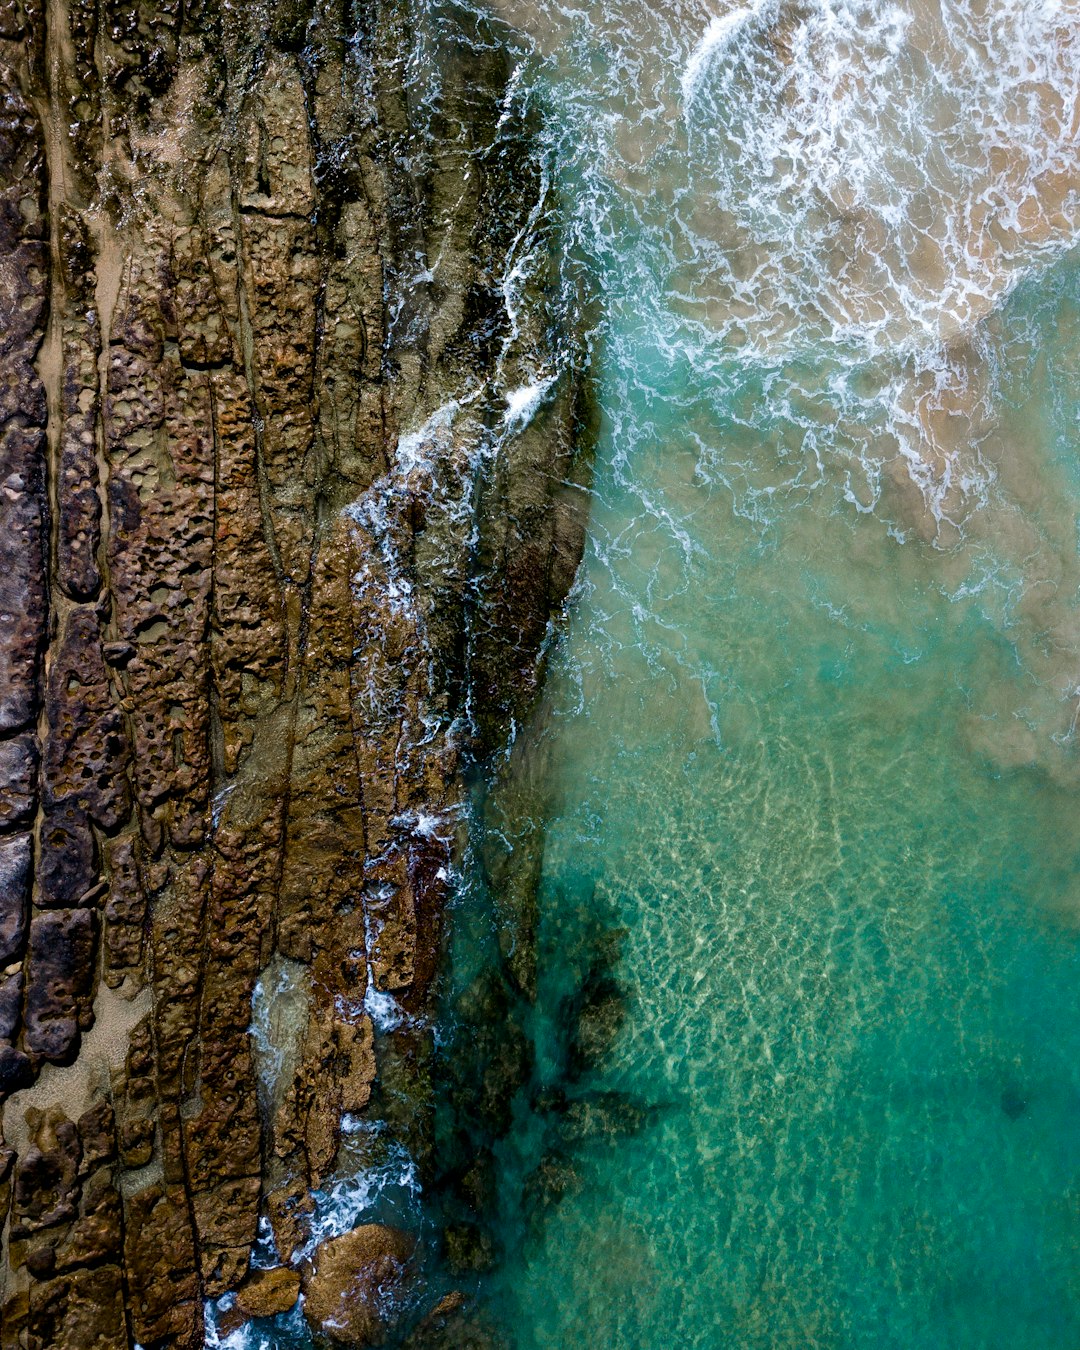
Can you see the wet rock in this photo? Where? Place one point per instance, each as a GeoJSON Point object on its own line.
{"type": "Point", "coordinates": [16, 859]}
{"type": "Point", "coordinates": [265, 1293]}
{"type": "Point", "coordinates": [334, 1075]}
{"type": "Point", "coordinates": [257, 710]}
{"type": "Point", "coordinates": [358, 1285]}
{"type": "Point", "coordinates": [18, 778]}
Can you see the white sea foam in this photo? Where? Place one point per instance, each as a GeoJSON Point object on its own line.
{"type": "Point", "coordinates": [522, 403]}
{"type": "Point", "coordinates": [279, 1008]}
{"type": "Point", "coordinates": [417, 449]}
{"type": "Point", "coordinates": [383, 1009]}
{"type": "Point", "coordinates": [344, 1203]}
{"type": "Point", "coordinates": [714, 40]}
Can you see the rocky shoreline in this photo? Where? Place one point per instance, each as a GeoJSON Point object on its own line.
{"type": "Point", "coordinates": [296, 431]}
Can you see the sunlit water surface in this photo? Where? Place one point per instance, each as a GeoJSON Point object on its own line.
{"type": "Point", "coordinates": [812, 726]}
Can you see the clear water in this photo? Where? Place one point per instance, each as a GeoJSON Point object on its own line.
{"type": "Point", "coordinates": [811, 731]}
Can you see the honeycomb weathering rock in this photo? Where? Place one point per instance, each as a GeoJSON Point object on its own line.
{"type": "Point", "coordinates": [274, 569]}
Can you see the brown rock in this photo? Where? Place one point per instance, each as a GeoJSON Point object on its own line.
{"type": "Point", "coordinates": [125, 912]}
{"type": "Point", "coordinates": [46, 1187]}
{"type": "Point", "coordinates": [84, 1309]}
{"type": "Point", "coordinates": [159, 1255]}
{"type": "Point", "coordinates": [22, 571]}
{"type": "Point", "coordinates": [16, 1070]}
{"type": "Point", "coordinates": [59, 981]}
{"type": "Point", "coordinates": [67, 868]}
{"type": "Point", "coordinates": [85, 752]}
{"type": "Point", "coordinates": [265, 1293]}
{"type": "Point", "coordinates": [358, 1284]}
{"type": "Point", "coordinates": [11, 984]}
{"type": "Point", "coordinates": [253, 729]}
{"type": "Point", "coordinates": [97, 1134]}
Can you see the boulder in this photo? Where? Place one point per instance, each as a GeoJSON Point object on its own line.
{"type": "Point", "coordinates": [357, 1284]}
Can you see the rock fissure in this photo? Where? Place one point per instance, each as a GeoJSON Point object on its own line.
{"type": "Point", "coordinates": [252, 640]}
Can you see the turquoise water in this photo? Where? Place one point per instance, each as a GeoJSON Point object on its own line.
{"type": "Point", "coordinates": [810, 755]}
{"type": "Point", "coordinates": [850, 957]}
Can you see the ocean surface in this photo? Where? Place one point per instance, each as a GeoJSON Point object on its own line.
{"type": "Point", "coordinates": [812, 729]}
{"type": "Point", "coordinates": [810, 735]}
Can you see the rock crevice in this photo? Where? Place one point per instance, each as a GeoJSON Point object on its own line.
{"type": "Point", "coordinates": [278, 559]}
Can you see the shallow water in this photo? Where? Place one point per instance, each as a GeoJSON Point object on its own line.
{"type": "Point", "coordinates": [850, 956]}
{"type": "Point", "coordinates": [812, 729]}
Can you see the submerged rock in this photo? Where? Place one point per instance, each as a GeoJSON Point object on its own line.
{"type": "Point", "coordinates": [546, 1185]}
{"type": "Point", "coordinates": [468, 1248]}
{"type": "Point", "coordinates": [358, 1285]}
{"type": "Point", "coordinates": [454, 1325]}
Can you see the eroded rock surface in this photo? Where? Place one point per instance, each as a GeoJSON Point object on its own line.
{"type": "Point", "coordinates": [354, 1290]}
{"type": "Point", "coordinates": [276, 565]}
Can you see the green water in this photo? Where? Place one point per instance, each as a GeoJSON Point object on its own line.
{"type": "Point", "coordinates": [850, 949]}
{"type": "Point", "coordinates": [812, 764]}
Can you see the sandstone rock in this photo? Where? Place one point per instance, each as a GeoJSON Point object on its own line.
{"type": "Point", "coordinates": [260, 700]}
{"type": "Point", "coordinates": [59, 980]}
{"type": "Point", "coordinates": [11, 986]}
{"type": "Point", "coordinates": [67, 869]}
{"type": "Point", "coordinates": [85, 1308]}
{"type": "Point", "coordinates": [16, 855]}
{"type": "Point", "coordinates": [18, 778]}
{"type": "Point", "coordinates": [265, 1293]}
{"type": "Point", "coordinates": [85, 754]}
{"type": "Point", "coordinates": [46, 1189]}
{"type": "Point", "coordinates": [124, 914]}
{"type": "Point", "coordinates": [22, 572]}
{"type": "Point", "coordinates": [16, 1070]}
{"type": "Point", "coordinates": [160, 1261]}
{"type": "Point", "coordinates": [357, 1285]}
